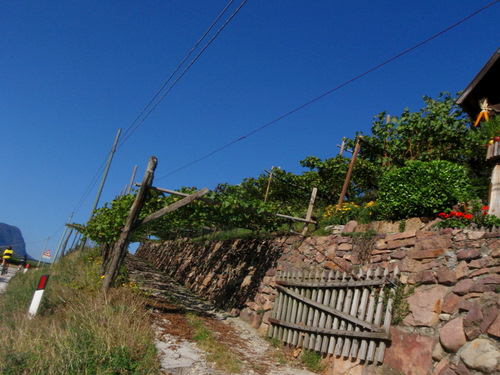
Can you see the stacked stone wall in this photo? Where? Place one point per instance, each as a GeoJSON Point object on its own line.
{"type": "Point", "coordinates": [453, 324]}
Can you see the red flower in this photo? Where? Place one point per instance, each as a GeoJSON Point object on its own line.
{"type": "Point", "coordinates": [468, 216]}
{"type": "Point", "coordinates": [442, 214]}
{"type": "Point", "coordinates": [486, 208]}
{"type": "Point", "coordinates": [459, 214]}
{"type": "Point", "coordinates": [452, 213]}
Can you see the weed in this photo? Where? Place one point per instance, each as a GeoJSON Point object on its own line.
{"type": "Point", "coordinates": [276, 343]}
{"type": "Point", "coordinates": [402, 225]}
{"type": "Point", "coordinates": [312, 361]}
{"type": "Point", "coordinates": [399, 295]}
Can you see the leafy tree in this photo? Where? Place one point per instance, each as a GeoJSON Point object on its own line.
{"type": "Point", "coordinates": [440, 130]}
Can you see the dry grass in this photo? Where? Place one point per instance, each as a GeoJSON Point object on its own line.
{"type": "Point", "coordinates": [78, 329]}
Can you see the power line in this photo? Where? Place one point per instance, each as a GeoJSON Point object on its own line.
{"type": "Point", "coordinates": [178, 67]}
{"type": "Point", "coordinates": [183, 72]}
{"type": "Point", "coordinates": [330, 91]}
{"type": "Point", "coordinates": [91, 185]}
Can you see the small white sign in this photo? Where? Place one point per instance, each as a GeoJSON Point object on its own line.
{"type": "Point", "coordinates": [46, 254]}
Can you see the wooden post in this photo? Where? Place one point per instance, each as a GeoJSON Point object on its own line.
{"type": "Point", "coordinates": [494, 203]}
{"type": "Point", "coordinates": [309, 210]}
{"type": "Point", "coordinates": [268, 184]}
{"type": "Point", "coordinates": [120, 248]}
{"type": "Point", "coordinates": [342, 146]}
{"type": "Point", "coordinates": [131, 180]}
{"type": "Point", "coordinates": [349, 172]}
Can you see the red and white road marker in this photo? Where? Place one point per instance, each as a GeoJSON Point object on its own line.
{"type": "Point", "coordinates": [37, 297]}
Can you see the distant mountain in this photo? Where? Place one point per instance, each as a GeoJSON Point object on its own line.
{"type": "Point", "coordinates": [11, 236]}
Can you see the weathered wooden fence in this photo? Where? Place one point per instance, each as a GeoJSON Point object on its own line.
{"type": "Point", "coordinates": [337, 313]}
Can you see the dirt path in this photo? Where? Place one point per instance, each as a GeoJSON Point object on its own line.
{"type": "Point", "coordinates": [179, 353]}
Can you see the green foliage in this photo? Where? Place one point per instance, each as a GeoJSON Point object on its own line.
{"type": "Point", "coordinates": [329, 176]}
{"type": "Point", "coordinates": [235, 206]}
{"type": "Point", "coordinates": [422, 189]}
{"type": "Point", "coordinates": [312, 361]}
{"type": "Point", "coordinates": [438, 131]}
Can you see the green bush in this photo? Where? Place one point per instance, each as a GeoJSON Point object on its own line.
{"type": "Point", "coordinates": [422, 189]}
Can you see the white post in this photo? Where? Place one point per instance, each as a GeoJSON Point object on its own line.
{"type": "Point", "coordinates": [494, 204]}
{"type": "Point", "coordinates": [37, 297]}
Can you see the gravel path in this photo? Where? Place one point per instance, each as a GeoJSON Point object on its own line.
{"type": "Point", "coordinates": [179, 354]}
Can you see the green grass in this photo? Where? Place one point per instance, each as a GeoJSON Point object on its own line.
{"type": "Point", "coordinates": [78, 329]}
{"type": "Point", "coordinates": [312, 361]}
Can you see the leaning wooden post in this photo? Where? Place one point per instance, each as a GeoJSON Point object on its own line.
{"type": "Point", "coordinates": [309, 210]}
{"type": "Point", "coordinates": [268, 184]}
{"type": "Point", "coordinates": [493, 155]}
{"type": "Point", "coordinates": [349, 173]}
{"type": "Point", "coordinates": [121, 246]}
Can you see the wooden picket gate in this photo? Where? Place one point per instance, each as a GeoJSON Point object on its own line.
{"type": "Point", "coordinates": [336, 313]}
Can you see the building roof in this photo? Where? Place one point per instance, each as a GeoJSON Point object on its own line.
{"type": "Point", "coordinates": [486, 84]}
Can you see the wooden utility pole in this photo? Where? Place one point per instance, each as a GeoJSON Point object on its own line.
{"type": "Point", "coordinates": [61, 240]}
{"type": "Point", "coordinates": [113, 149]}
{"type": "Point", "coordinates": [63, 249]}
{"type": "Point", "coordinates": [349, 173]}
{"type": "Point", "coordinates": [121, 246]}
{"type": "Point", "coordinates": [43, 251]}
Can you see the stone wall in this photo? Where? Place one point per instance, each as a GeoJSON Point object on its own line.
{"type": "Point", "coordinates": [453, 326]}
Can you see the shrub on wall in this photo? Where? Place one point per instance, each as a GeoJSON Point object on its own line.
{"type": "Point", "coordinates": [422, 189]}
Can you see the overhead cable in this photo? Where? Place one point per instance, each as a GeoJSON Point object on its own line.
{"type": "Point", "coordinates": [177, 69]}
{"type": "Point", "coordinates": [182, 74]}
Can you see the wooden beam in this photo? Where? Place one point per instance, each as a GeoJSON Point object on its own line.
{"type": "Point", "coordinates": [178, 193]}
{"type": "Point", "coordinates": [336, 284]}
{"type": "Point", "coordinates": [173, 207]}
{"type": "Point", "coordinates": [338, 332]}
{"type": "Point", "coordinates": [296, 219]}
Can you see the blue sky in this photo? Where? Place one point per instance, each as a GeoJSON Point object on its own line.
{"type": "Point", "coordinates": [74, 72]}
